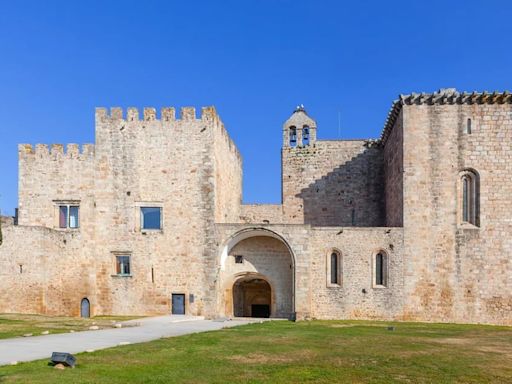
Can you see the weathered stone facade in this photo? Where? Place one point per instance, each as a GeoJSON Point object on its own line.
{"type": "Point", "coordinates": [366, 228]}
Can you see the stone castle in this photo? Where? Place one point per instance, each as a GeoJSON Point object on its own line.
{"type": "Point", "coordinates": [149, 220]}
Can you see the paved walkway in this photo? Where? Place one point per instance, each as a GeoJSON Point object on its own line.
{"type": "Point", "coordinates": [152, 328]}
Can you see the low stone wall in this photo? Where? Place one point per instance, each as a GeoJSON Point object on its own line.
{"type": "Point", "coordinates": [41, 271]}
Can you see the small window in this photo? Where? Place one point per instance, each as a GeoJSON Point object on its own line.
{"type": "Point", "coordinates": [239, 259]}
{"type": "Point", "coordinates": [305, 135]}
{"type": "Point", "coordinates": [151, 217]}
{"type": "Point", "coordinates": [334, 269]}
{"type": "Point", "coordinates": [123, 265]}
{"type": "Point", "coordinates": [68, 216]}
{"type": "Point", "coordinates": [470, 198]}
{"type": "Point", "coordinates": [468, 127]}
{"type": "Point", "coordinates": [381, 269]}
{"type": "Point", "coordinates": [293, 136]}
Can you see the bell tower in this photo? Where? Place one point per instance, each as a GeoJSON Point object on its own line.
{"type": "Point", "coordinates": [299, 130]}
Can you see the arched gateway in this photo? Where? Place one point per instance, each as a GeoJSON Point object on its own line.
{"type": "Point", "coordinates": [257, 275]}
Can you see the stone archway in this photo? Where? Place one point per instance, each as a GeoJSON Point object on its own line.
{"type": "Point", "coordinates": [257, 260]}
{"type": "Point", "coordinates": [252, 297]}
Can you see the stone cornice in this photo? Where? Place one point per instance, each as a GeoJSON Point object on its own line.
{"type": "Point", "coordinates": [443, 96]}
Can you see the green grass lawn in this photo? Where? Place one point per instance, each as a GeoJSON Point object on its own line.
{"type": "Point", "coordinates": [15, 325]}
{"type": "Point", "coordinates": [302, 352]}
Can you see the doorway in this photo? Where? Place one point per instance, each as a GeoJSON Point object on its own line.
{"type": "Point", "coordinates": [252, 297]}
{"type": "Point", "coordinates": [178, 304]}
{"type": "Point", "coordinates": [85, 308]}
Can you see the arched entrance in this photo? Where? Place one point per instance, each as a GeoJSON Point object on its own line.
{"type": "Point", "coordinates": [252, 297]}
{"type": "Point", "coordinates": [85, 308]}
{"type": "Point", "coordinates": [257, 275]}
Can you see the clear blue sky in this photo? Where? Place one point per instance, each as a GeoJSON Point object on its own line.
{"type": "Point", "coordinates": [253, 60]}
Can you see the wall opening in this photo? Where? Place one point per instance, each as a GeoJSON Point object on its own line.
{"type": "Point", "coordinates": [468, 126]}
{"type": "Point", "coordinates": [305, 135]}
{"type": "Point", "coordinates": [85, 308]}
{"type": "Point", "coordinates": [293, 136]}
{"type": "Point", "coordinates": [178, 304]}
{"type": "Point", "coordinates": [266, 257]}
{"type": "Point", "coordinates": [252, 297]}
{"type": "Point", "coordinates": [470, 197]}
{"type": "Point", "coordinates": [380, 269]}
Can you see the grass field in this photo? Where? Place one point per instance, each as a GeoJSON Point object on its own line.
{"type": "Point", "coordinates": [303, 352]}
{"type": "Point", "coordinates": [15, 325]}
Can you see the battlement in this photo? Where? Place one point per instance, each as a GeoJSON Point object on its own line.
{"type": "Point", "coordinates": [72, 151]}
{"type": "Point", "coordinates": [150, 114]}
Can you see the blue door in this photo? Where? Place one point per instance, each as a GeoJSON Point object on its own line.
{"type": "Point", "coordinates": [178, 304]}
{"type": "Point", "coordinates": [85, 308]}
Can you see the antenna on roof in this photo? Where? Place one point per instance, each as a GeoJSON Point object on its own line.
{"type": "Point", "coordinates": [339, 123]}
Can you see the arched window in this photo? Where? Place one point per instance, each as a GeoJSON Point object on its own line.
{"type": "Point", "coordinates": [305, 135]}
{"type": "Point", "coordinates": [470, 197]}
{"type": "Point", "coordinates": [293, 136]}
{"type": "Point", "coordinates": [381, 269]}
{"type": "Point", "coordinates": [334, 269]}
{"type": "Point", "coordinates": [468, 126]}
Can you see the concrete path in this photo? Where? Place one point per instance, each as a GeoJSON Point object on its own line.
{"type": "Point", "coordinates": [152, 328]}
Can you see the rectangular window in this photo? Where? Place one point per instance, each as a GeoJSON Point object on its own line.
{"type": "Point", "coordinates": [334, 268]}
{"type": "Point", "coordinates": [123, 265]}
{"type": "Point", "coordinates": [465, 199]}
{"type": "Point", "coordinates": [239, 259]}
{"type": "Point", "coordinates": [68, 216]}
{"type": "Point", "coordinates": [73, 216]}
{"type": "Point", "coordinates": [63, 216]}
{"type": "Point", "coordinates": [381, 272]}
{"type": "Point", "coordinates": [151, 217]}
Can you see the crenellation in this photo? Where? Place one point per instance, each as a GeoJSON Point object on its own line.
{"type": "Point", "coordinates": [149, 114]}
{"type": "Point", "coordinates": [208, 113]}
{"type": "Point", "coordinates": [101, 114]}
{"type": "Point", "coordinates": [168, 114]}
{"type": "Point", "coordinates": [72, 150]}
{"type": "Point", "coordinates": [42, 150]}
{"type": "Point", "coordinates": [88, 150]}
{"type": "Point", "coordinates": [188, 113]}
{"type": "Point", "coordinates": [56, 149]}
{"type": "Point", "coordinates": [116, 113]}
{"type": "Point", "coordinates": [25, 149]}
{"type": "Point", "coordinates": [132, 114]}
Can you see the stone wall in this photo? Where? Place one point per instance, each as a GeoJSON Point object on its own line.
{"type": "Point", "coordinates": [337, 195]}
{"type": "Point", "coordinates": [49, 175]}
{"type": "Point", "coordinates": [457, 272]}
{"type": "Point", "coordinates": [393, 174]}
{"type": "Point", "coordinates": [228, 175]}
{"type": "Point", "coordinates": [334, 183]}
{"type": "Point", "coordinates": [261, 213]}
{"type": "Point", "coordinates": [43, 271]}
{"type": "Point", "coordinates": [309, 247]}
{"type": "Point", "coordinates": [173, 163]}
{"type": "Point", "coordinates": [356, 296]}
{"type": "Point", "coordinates": [166, 162]}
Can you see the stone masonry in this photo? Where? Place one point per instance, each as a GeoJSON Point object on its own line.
{"type": "Point", "coordinates": [367, 229]}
